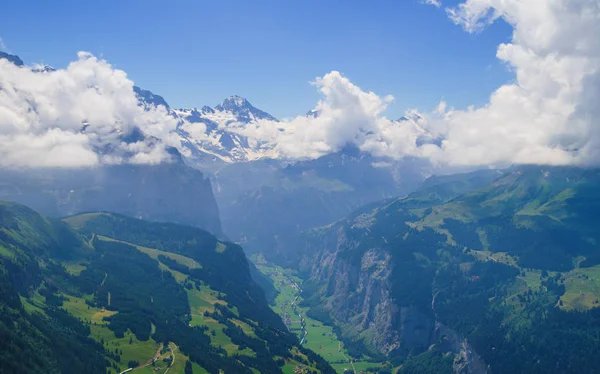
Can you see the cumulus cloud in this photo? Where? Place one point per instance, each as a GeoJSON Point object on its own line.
{"type": "Point", "coordinates": [345, 115]}
{"type": "Point", "coordinates": [77, 116]}
{"type": "Point", "coordinates": [548, 115]}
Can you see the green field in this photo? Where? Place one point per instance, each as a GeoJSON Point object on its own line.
{"type": "Point", "coordinates": [177, 367]}
{"type": "Point", "coordinates": [144, 351]}
{"type": "Point", "coordinates": [582, 289]}
{"type": "Point", "coordinates": [320, 338]}
{"type": "Point", "coordinates": [74, 268]}
{"type": "Point", "coordinates": [204, 300]}
{"type": "Point", "coordinates": [154, 253]}
{"type": "Point", "coordinates": [200, 301]}
{"type": "Point", "coordinates": [140, 351]}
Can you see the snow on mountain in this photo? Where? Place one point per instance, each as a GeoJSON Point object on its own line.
{"type": "Point", "coordinates": [213, 134]}
{"type": "Point", "coordinates": [42, 68]}
{"type": "Point", "coordinates": [243, 110]}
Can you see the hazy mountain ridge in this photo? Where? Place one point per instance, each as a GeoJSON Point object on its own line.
{"type": "Point", "coordinates": [313, 193]}
{"type": "Point", "coordinates": [324, 189]}
{"type": "Point", "coordinates": [166, 192]}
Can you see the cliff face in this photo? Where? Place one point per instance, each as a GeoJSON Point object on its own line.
{"type": "Point", "coordinates": [169, 192]}
{"type": "Point", "coordinates": [375, 272]}
{"type": "Point", "coordinates": [356, 285]}
{"type": "Point", "coordinates": [358, 296]}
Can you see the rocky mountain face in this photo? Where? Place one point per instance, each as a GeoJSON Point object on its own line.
{"type": "Point", "coordinates": [447, 268]}
{"type": "Point", "coordinates": [214, 136]}
{"type": "Point", "coordinates": [354, 272]}
{"type": "Point", "coordinates": [355, 287]}
{"type": "Point", "coordinates": [352, 266]}
{"type": "Point", "coordinates": [171, 192]}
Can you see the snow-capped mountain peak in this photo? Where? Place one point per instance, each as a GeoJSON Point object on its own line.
{"type": "Point", "coordinates": [42, 68]}
{"type": "Point", "coordinates": [213, 134]}
{"type": "Point", "coordinates": [234, 102]}
{"type": "Point", "coordinates": [207, 109]}
{"type": "Point", "coordinates": [243, 110]}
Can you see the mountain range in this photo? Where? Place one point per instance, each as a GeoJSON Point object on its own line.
{"type": "Point", "coordinates": [373, 263]}
{"type": "Point", "coordinates": [263, 196]}
{"type": "Point", "coordinates": [248, 178]}
{"type": "Point", "coordinates": [211, 135]}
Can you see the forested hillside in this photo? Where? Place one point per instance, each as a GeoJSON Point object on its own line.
{"type": "Point", "coordinates": [100, 293]}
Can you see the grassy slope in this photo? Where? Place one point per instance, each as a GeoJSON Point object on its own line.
{"type": "Point", "coordinates": [582, 289]}
{"type": "Point", "coordinates": [321, 338]}
{"type": "Point", "coordinates": [582, 285]}
{"type": "Point", "coordinates": [555, 193]}
{"type": "Point", "coordinates": [201, 301]}
{"type": "Point", "coordinates": [154, 253]}
{"type": "Point", "coordinates": [140, 351]}
{"type": "Point", "coordinates": [34, 231]}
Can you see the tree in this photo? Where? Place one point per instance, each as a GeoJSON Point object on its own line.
{"type": "Point", "coordinates": [188, 367]}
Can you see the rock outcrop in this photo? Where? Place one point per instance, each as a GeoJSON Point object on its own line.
{"type": "Point", "coordinates": [356, 291]}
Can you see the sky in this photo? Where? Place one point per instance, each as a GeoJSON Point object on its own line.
{"type": "Point", "coordinates": [485, 82]}
{"type": "Point", "coordinates": [196, 53]}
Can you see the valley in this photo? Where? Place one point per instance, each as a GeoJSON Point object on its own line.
{"type": "Point", "coordinates": [411, 194]}
{"type": "Point", "coordinates": [458, 275]}
{"type": "Point", "coordinates": [313, 334]}
{"type": "Point", "coordinates": [455, 277]}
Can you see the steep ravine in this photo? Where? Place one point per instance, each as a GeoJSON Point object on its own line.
{"type": "Point", "coordinates": [356, 290]}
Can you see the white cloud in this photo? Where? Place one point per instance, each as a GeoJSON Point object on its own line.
{"type": "Point", "coordinates": [346, 115]}
{"type": "Point", "coordinates": [435, 3]}
{"type": "Point", "coordinates": [76, 117]}
{"type": "Point", "coordinates": [548, 115]}
{"type": "Point", "coordinates": [2, 45]}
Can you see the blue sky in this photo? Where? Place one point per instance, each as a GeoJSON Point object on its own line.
{"type": "Point", "coordinates": [198, 52]}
